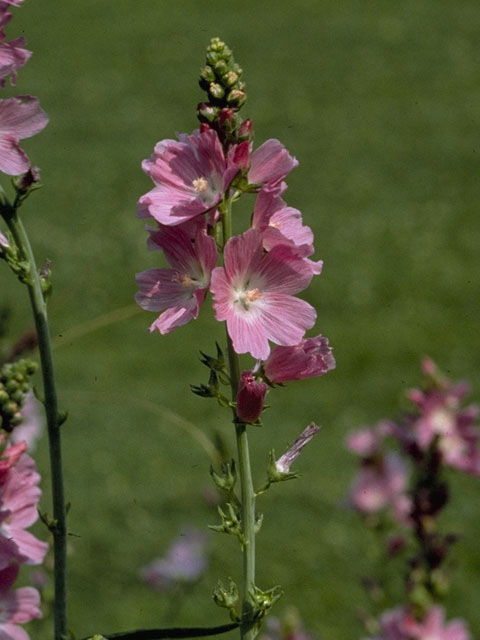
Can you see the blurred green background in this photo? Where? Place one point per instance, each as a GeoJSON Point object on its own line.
{"type": "Point", "coordinates": [380, 102]}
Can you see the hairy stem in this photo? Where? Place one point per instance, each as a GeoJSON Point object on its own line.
{"type": "Point", "coordinates": [58, 526]}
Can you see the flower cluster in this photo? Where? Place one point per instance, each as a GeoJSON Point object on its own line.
{"type": "Point", "coordinates": [20, 117]}
{"type": "Point", "coordinates": [196, 181]}
{"type": "Point", "coordinates": [408, 483]}
{"type": "Point", "coordinates": [399, 624]}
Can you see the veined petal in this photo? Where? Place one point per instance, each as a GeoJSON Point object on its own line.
{"type": "Point", "coordinates": [285, 318]}
{"type": "Point", "coordinates": [21, 117]}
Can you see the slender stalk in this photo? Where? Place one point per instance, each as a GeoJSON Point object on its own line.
{"type": "Point", "coordinates": [58, 526]}
{"type": "Point", "coordinates": [247, 630]}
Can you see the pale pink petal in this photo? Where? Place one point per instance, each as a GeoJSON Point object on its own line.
{"type": "Point", "coordinates": [30, 549]}
{"type": "Point", "coordinates": [9, 631]}
{"type": "Point", "coordinates": [12, 57]}
{"type": "Point", "coordinates": [21, 117]}
{"type": "Point", "coordinates": [176, 317]}
{"type": "Point", "coordinates": [248, 336]}
{"type": "Point", "coordinates": [285, 318]}
{"type": "Point", "coordinates": [21, 605]}
{"type": "Point", "coordinates": [13, 160]}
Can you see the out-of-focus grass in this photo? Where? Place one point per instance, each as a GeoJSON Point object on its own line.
{"type": "Point", "coordinates": [380, 102]}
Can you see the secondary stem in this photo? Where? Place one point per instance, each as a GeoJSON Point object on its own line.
{"type": "Point", "coordinates": [247, 630]}
{"type": "Point", "coordinates": [58, 526]}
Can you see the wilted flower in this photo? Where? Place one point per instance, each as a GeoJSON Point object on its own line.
{"type": "Point", "coordinates": [284, 463]}
{"type": "Point", "coordinates": [311, 357]}
{"type": "Point", "coordinates": [184, 561]}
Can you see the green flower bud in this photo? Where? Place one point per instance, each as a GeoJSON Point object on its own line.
{"type": "Point", "coordinates": [216, 90]}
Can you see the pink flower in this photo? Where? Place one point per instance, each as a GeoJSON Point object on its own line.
{"type": "Point", "coordinates": [179, 290]}
{"type": "Point", "coordinates": [252, 293]}
{"type": "Point", "coordinates": [17, 606]}
{"type": "Point", "coordinates": [284, 463]}
{"type": "Point", "coordinates": [31, 427]}
{"type": "Point", "coordinates": [20, 117]}
{"type": "Point", "coordinates": [191, 177]}
{"type": "Point", "coordinates": [19, 495]}
{"type": "Point", "coordinates": [9, 457]}
{"type": "Point", "coordinates": [399, 624]}
{"type": "Point", "coordinates": [269, 164]}
{"type": "Point", "coordinates": [281, 224]}
{"type": "Point", "coordinates": [184, 561]}
{"type": "Point", "coordinates": [433, 627]}
{"type": "Point", "coordinates": [250, 398]}
{"type": "Point", "coordinates": [3, 241]}
{"type": "Point", "coordinates": [12, 57]}
{"type": "Point", "coordinates": [441, 417]}
{"type": "Point", "coordinates": [381, 484]}
{"type": "Point", "coordinates": [311, 357]}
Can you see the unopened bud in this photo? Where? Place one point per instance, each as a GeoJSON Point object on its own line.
{"type": "Point", "coordinates": [250, 398]}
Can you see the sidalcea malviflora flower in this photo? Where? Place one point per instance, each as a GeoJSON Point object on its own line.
{"type": "Point", "coordinates": [20, 117]}
{"type": "Point", "coordinates": [190, 176]}
{"type": "Point", "coordinates": [281, 224]}
{"type": "Point", "coordinates": [180, 290]}
{"type": "Point", "coordinates": [253, 293]}
{"type": "Point", "coordinates": [12, 54]}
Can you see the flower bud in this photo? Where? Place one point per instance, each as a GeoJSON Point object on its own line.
{"type": "Point", "coordinates": [250, 398]}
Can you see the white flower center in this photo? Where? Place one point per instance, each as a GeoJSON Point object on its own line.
{"type": "Point", "coordinates": [200, 185]}
{"type": "Point", "coordinates": [247, 296]}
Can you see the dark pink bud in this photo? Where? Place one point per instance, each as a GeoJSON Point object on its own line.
{"type": "Point", "coordinates": [241, 155]}
{"type": "Point", "coordinates": [250, 398]}
{"type": "Point", "coordinates": [204, 127]}
{"type": "Point", "coordinates": [226, 115]}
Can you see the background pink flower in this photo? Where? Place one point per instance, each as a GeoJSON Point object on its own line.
{"type": "Point", "coordinates": [185, 561]}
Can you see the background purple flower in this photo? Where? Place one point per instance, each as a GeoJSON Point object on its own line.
{"type": "Point", "coordinates": [185, 561]}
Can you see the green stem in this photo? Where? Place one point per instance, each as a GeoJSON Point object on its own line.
{"type": "Point", "coordinates": [247, 629]}
{"type": "Point", "coordinates": [58, 527]}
